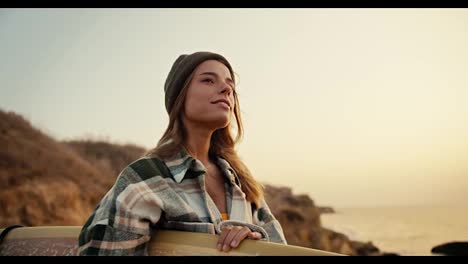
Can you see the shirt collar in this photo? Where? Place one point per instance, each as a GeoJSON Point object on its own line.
{"type": "Point", "coordinates": [183, 166]}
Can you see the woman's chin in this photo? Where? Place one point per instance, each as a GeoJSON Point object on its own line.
{"type": "Point", "coordinates": [221, 122]}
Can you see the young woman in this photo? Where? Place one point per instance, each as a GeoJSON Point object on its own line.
{"type": "Point", "coordinates": [193, 180]}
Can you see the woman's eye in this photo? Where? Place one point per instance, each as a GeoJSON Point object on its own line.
{"type": "Point", "coordinates": [208, 80]}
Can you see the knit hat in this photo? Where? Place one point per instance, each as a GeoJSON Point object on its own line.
{"type": "Point", "coordinates": [180, 71]}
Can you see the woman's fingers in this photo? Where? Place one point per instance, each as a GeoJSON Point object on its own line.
{"type": "Point", "coordinates": [255, 235]}
{"type": "Point", "coordinates": [241, 235]}
{"type": "Point", "coordinates": [224, 233]}
{"type": "Point", "coordinates": [231, 236]}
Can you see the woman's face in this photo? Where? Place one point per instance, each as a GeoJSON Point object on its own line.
{"type": "Point", "coordinates": [210, 95]}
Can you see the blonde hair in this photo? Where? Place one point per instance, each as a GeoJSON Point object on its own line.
{"type": "Point", "coordinates": [222, 144]}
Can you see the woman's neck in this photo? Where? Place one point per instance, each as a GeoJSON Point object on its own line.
{"type": "Point", "coordinates": [198, 142]}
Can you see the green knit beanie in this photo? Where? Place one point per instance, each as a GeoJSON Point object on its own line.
{"type": "Point", "coordinates": [182, 68]}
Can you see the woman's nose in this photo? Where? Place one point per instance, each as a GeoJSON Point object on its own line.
{"type": "Point", "coordinates": [226, 89]}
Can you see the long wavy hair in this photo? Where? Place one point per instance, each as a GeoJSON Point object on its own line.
{"type": "Point", "coordinates": [222, 142]}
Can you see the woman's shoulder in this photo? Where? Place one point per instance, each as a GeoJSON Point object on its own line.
{"type": "Point", "coordinates": [144, 168]}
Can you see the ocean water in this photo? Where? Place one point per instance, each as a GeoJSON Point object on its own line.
{"type": "Point", "coordinates": [408, 231]}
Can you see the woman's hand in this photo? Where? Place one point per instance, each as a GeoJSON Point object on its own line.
{"type": "Point", "coordinates": [231, 236]}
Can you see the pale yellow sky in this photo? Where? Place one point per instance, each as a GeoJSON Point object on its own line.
{"type": "Point", "coordinates": [355, 107]}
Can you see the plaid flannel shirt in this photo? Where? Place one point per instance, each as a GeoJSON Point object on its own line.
{"type": "Point", "coordinates": [152, 193]}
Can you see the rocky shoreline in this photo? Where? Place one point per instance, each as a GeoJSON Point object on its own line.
{"type": "Point", "coordinates": [300, 219]}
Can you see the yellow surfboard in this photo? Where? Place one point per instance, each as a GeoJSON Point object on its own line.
{"type": "Point", "coordinates": [63, 241]}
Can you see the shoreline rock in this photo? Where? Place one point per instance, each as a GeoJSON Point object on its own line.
{"type": "Point", "coordinates": [326, 210]}
{"type": "Point", "coordinates": [455, 248]}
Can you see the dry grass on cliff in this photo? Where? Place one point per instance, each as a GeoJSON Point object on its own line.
{"type": "Point", "coordinates": [46, 182]}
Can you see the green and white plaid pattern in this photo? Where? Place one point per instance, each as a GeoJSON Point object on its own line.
{"type": "Point", "coordinates": [151, 194]}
